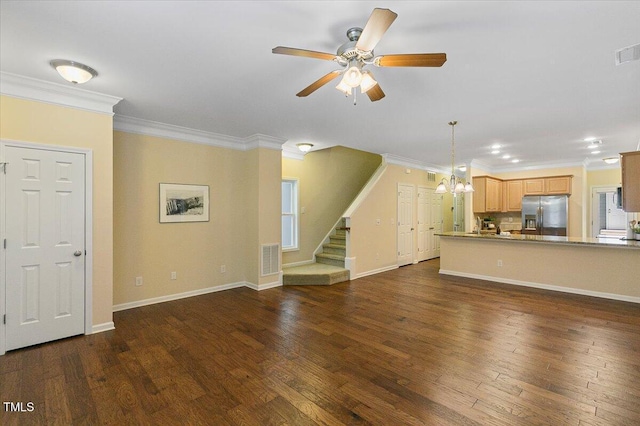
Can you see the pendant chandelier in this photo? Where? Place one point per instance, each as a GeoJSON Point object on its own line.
{"type": "Point", "coordinates": [455, 185]}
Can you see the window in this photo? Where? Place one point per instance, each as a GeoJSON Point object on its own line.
{"type": "Point", "coordinates": [289, 214]}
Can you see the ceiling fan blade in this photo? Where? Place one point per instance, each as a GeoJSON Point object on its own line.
{"type": "Point", "coordinates": [301, 52]}
{"type": "Point", "coordinates": [378, 23]}
{"type": "Point", "coordinates": [375, 93]}
{"type": "Point", "coordinates": [318, 84]}
{"type": "Point", "coordinates": [412, 60]}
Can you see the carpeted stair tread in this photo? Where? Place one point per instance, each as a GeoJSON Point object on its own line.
{"type": "Point", "coordinates": [314, 274]}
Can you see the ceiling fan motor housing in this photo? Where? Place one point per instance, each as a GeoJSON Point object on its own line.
{"type": "Point", "coordinates": [348, 50]}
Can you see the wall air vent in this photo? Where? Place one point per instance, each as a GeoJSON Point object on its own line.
{"type": "Point", "coordinates": [270, 259]}
{"type": "Point", "coordinates": [431, 177]}
{"type": "Point", "coordinates": [628, 54]}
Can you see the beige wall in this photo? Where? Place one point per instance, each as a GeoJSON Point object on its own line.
{"type": "Point", "coordinates": [604, 177]}
{"type": "Point", "coordinates": [42, 123]}
{"type": "Point", "coordinates": [329, 180]}
{"type": "Point", "coordinates": [244, 213]}
{"type": "Point", "coordinates": [375, 246]}
{"type": "Point", "coordinates": [578, 268]}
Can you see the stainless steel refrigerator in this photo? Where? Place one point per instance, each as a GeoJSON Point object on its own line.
{"type": "Point", "coordinates": [545, 215]}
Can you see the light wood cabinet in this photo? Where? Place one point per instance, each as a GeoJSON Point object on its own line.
{"type": "Point", "coordinates": [554, 185]}
{"type": "Point", "coordinates": [512, 196]}
{"type": "Point", "coordinates": [558, 185]}
{"type": "Point", "coordinates": [630, 163]}
{"type": "Point", "coordinates": [488, 194]}
{"type": "Point", "coordinates": [533, 186]}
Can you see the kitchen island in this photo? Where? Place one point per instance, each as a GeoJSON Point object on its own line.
{"type": "Point", "coordinates": [600, 267]}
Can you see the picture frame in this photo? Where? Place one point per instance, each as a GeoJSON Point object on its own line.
{"type": "Point", "coordinates": [181, 203]}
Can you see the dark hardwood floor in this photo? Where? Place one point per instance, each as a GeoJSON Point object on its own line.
{"type": "Point", "coordinates": [405, 347]}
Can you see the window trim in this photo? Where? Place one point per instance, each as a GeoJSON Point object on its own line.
{"type": "Point", "coordinates": [296, 214]}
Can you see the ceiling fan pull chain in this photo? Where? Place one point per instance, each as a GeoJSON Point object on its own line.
{"type": "Point", "coordinates": [355, 94]}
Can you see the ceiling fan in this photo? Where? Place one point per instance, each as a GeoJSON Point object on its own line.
{"type": "Point", "coordinates": [354, 55]}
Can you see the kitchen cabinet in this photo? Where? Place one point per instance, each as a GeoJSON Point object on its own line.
{"type": "Point", "coordinates": [553, 185]}
{"type": "Point", "coordinates": [630, 163]}
{"type": "Point", "coordinates": [488, 194]}
{"type": "Point", "coordinates": [558, 185]}
{"type": "Point", "coordinates": [533, 186]}
{"type": "Point", "coordinates": [512, 195]}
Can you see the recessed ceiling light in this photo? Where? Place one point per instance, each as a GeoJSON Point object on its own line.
{"type": "Point", "coordinates": [495, 151]}
{"type": "Point", "coordinates": [594, 144]}
{"type": "Point", "coordinates": [506, 156]}
{"type": "Point", "coordinates": [495, 146]}
{"type": "Point", "coordinates": [515, 160]}
{"type": "Point", "coordinates": [595, 152]}
{"type": "Point", "coordinates": [589, 139]}
{"type": "Point", "coordinates": [611, 160]}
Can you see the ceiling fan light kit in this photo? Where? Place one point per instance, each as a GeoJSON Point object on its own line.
{"type": "Point", "coordinates": [357, 53]}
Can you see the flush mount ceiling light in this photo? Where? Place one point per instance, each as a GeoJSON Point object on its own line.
{"type": "Point", "coordinates": [455, 185]}
{"type": "Point", "coordinates": [73, 72]}
{"type": "Point", "coordinates": [611, 160]}
{"type": "Point", "coordinates": [305, 146]}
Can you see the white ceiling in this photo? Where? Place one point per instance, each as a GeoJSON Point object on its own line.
{"type": "Point", "coordinates": [537, 77]}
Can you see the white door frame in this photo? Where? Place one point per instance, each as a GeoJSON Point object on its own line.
{"type": "Point", "coordinates": [595, 213]}
{"type": "Point", "coordinates": [88, 206]}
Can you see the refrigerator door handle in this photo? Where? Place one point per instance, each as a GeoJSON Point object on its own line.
{"type": "Point", "coordinates": [541, 220]}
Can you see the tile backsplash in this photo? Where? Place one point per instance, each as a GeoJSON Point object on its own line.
{"type": "Point", "coordinates": [506, 221]}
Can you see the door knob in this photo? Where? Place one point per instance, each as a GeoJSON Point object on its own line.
{"type": "Point", "coordinates": [77, 253]}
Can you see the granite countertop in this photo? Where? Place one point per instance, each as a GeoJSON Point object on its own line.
{"type": "Point", "coordinates": [600, 242]}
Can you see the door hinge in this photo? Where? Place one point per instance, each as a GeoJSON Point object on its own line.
{"type": "Point", "coordinates": [4, 319]}
{"type": "Point", "coordinates": [4, 167]}
{"type": "Point", "coordinates": [4, 243]}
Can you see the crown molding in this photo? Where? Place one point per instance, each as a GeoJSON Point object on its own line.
{"type": "Point", "coordinates": [22, 87]}
{"type": "Point", "coordinates": [169, 131]}
{"type": "Point", "coordinates": [292, 152]}
{"type": "Point", "coordinates": [412, 163]}
{"type": "Point", "coordinates": [263, 141]}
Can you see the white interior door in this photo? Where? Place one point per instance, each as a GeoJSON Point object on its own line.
{"type": "Point", "coordinates": [45, 245]}
{"type": "Point", "coordinates": [436, 222]}
{"type": "Point", "coordinates": [425, 230]}
{"type": "Point", "coordinates": [405, 224]}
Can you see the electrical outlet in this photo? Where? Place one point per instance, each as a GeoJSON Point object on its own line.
{"type": "Point", "coordinates": [138, 281]}
{"type": "Point", "coordinates": [499, 262]}
{"type": "Point", "coordinates": [174, 275]}
{"type": "Point", "coordinates": [378, 222]}
{"type": "Point", "coordinates": [223, 269]}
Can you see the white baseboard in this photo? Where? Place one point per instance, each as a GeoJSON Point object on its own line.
{"type": "Point", "coordinates": [375, 271]}
{"type": "Point", "coordinates": [154, 300]}
{"type": "Point", "coordinates": [99, 328]}
{"type": "Point", "coordinates": [571, 290]}
{"type": "Point", "coordinates": [266, 286]}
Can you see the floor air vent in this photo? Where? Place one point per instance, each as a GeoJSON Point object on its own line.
{"type": "Point", "coordinates": [270, 259]}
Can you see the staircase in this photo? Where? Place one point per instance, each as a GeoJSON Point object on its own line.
{"type": "Point", "coordinates": [329, 267]}
{"type": "Point", "coordinates": [335, 251]}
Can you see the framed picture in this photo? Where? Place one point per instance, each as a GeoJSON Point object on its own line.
{"type": "Point", "coordinates": [184, 203]}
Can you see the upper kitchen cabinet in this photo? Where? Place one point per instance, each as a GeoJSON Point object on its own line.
{"type": "Point", "coordinates": [558, 185]}
{"type": "Point", "coordinates": [554, 185]}
{"type": "Point", "coordinates": [630, 162]}
{"type": "Point", "coordinates": [512, 196]}
{"type": "Point", "coordinates": [533, 186]}
{"type": "Point", "coordinates": [488, 194]}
